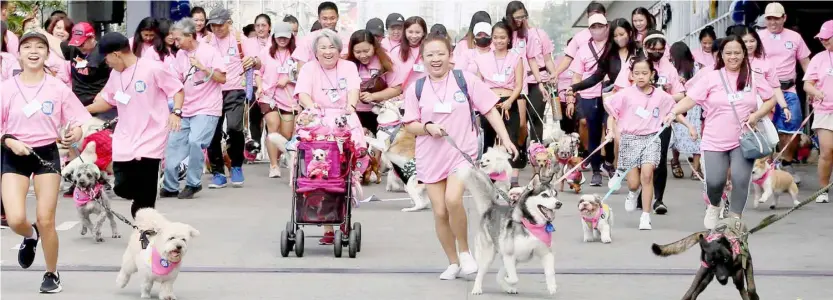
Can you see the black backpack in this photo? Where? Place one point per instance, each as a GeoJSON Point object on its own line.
{"type": "Point", "coordinates": [461, 83]}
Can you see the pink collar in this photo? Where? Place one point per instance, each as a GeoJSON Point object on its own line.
{"type": "Point", "coordinates": [389, 124]}
{"type": "Point", "coordinates": [733, 241]}
{"type": "Point", "coordinates": [82, 197]}
{"type": "Point", "coordinates": [543, 232]}
{"type": "Point", "coordinates": [760, 181]}
{"type": "Point", "coordinates": [594, 220]}
{"type": "Point", "coordinates": [159, 265]}
{"type": "Point", "coordinates": [563, 161]}
{"type": "Point", "coordinates": [502, 176]}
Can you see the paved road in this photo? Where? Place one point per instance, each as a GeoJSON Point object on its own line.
{"type": "Point", "coordinates": [236, 257]}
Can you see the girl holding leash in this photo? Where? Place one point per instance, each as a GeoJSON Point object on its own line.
{"type": "Point", "coordinates": [638, 112]}
{"type": "Point", "coordinates": [446, 110]}
{"type": "Point", "coordinates": [33, 106]}
{"type": "Point", "coordinates": [378, 73]}
{"type": "Point", "coordinates": [728, 97]}
{"type": "Point", "coordinates": [818, 83]}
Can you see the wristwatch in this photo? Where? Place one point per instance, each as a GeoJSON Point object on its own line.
{"type": "Point", "coordinates": [177, 112]}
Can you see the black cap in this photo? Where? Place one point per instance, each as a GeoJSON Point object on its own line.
{"type": "Point", "coordinates": [439, 29]}
{"type": "Point", "coordinates": [376, 27]}
{"type": "Point", "coordinates": [32, 35]}
{"type": "Point", "coordinates": [393, 20]}
{"type": "Point", "coordinates": [112, 42]}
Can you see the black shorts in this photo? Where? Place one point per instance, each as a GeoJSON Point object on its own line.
{"type": "Point", "coordinates": [136, 179]}
{"type": "Point", "coordinates": [30, 165]}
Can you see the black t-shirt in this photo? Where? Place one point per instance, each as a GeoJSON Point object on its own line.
{"type": "Point", "coordinates": [88, 81]}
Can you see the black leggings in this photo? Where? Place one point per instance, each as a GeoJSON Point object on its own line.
{"type": "Point", "coordinates": [255, 122]}
{"type": "Point", "coordinates": [137, 180]}
{"type": "Point", "coordinates": [661, 173]}
{"type": "Point", "coordinates": [535, 112]}
{"type": "Point", "coordinates": [513, 127]}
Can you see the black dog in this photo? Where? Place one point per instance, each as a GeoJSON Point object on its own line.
{"type": "Point", "coordinates": [724, 254]}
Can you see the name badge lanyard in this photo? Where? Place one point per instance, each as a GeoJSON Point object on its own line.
{"type": "Point", "coordinates": [445, 88]}
{"type": "Point", "coordinates": [731, 89]}
{"type": "Point", "coordinates": [334, 87]}
{"type": "Point", "coordinates": [502, 65]}
{"type": "Point", "coordinates": [217, 42]}
{"type": "Point", "coordinates": [26, 99]}
{"type": "Point", "coordinates": [121, 79]}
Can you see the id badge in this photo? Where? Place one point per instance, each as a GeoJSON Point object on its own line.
{"type": "Point", "coordinates": [830, 72]}
{"type": "Point", "coordinates": [442, 108]}
{"type": "Point", "coordinates": [342, 83]}
{"type": "Point", "coordinates": [662, 80]}
{"type": "Point", "coordinates": [227, 59]}
{"type": "Point", "coordinates": [283, 70]}
{"type": "Point", "coordinates": [334, 96]}
{"type": "Point", "coordinates": [498, 77]}
{"type": "Point", "coordinates": [419, 68]}
{"type": "Point", "coordinates": [789, 45]}
{"type": "Point", "coordinates": [122, 98]}
{"type": "Point", "coordinates": [642, 113]}
{"type": "Point", "coordinates": [231, 51]}
{"type": "Point", "coordinates": [31, 108]}
{"type": "Point", "coordinates": [776, 37]}
{"type": "Point", "coordinates": [734, 97]}
{"type": "Point", "coordinates": [521, 44]}
{"type": "Point", "coordinates": [81, 64]}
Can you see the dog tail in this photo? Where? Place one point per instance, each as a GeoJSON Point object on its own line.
{"type": "Point", "coordinates": [678, 246]}
{"type": "Point", "coordinates": [278, 140]}
{"type": "Point", "coordinates": [149, 219]}
{"type": "Point", "coordinates": [478, 185]}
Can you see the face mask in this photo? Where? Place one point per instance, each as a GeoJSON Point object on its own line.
{"type": "Point", "coordinates": [655, 56]}
{"type": "Point", "coordinates": [622, 41]}
{"type": "Point", "coordinates": [483, 42]}
{"type": "Point", "coordinates": [599, 34]}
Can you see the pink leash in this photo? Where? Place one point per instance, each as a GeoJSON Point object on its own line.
{"type": "Point", "coordinates": [567, 174]}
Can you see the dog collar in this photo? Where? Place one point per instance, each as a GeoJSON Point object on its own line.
{"type": "Point", "coordinates": [502, 176]}
{"type": "Point", "coordinates": [563, 161]}
{"type": "Point", "coordinates": [82, 197]}
{"type": "Point", "coordinates": [159, 265]}
{"type": "Point", "coordinates": [601, 213]}
{"type": "Point", "coordinates": [760, 181]}
{"type": "Point", "coordinates": [541, 231]}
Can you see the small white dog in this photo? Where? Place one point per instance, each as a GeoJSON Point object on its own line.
{"type": "Point", "coordinates": [161, 260]}
{"type": "Point", "coordinates": [91, 199]}
{"type": "Point", "coordinates": [772, 182]}
{"type": "Point", "coordinates": [495, 162]}
{"type": "Point", "coordinates": [596, 219]}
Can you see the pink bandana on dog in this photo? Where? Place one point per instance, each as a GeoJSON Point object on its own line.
{"type": "Point", "coordinates": [760, 181]}
{"type": "Point", "coordinates": [82, 197]}
{"type": "Point", "coordinates": [542, 231]}
{"type": "Point", "coordinates": [502, 176]}
{"type": "Point", "coordinates": [159, 265]}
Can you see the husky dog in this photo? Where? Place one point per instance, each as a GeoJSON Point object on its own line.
{"type": "Point", "coordinates": [596, 219]}
{"type": "Point", "coordinates": [724, 253]}
{"type": "Point", "coordinates": [161, 259]}
{"type": "Point", "coordinates": [517, 232]}
{"type": "Point", "coordinates": [495, 162]}
{"type": "Point", "coordinates": [91, 199]}
{"type": "Point", "coordinates": [772, 182]}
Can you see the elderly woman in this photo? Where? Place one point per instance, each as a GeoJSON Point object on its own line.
{"type": "Point", "coordinates": [203, 72]}
{"type": "Point", "coordinates": [331, 84]}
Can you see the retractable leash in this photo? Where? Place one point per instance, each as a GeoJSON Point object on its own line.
{"type": "Point", "coordinates": [615, 183]}
{"type": "Point", "coordinates": [567, 174]}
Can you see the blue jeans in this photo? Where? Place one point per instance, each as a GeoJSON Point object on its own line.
{"type": "Point", "coordinates": [189, 141]}
{"type": "Point", "coordinates": [592, 110]}
{"type": "Point", "coordinates": [779, 120]}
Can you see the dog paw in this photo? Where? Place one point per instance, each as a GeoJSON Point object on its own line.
{"type": "Point", "coordinates": [116, 235]}
{"type": "Point", "coordinates": [167, 297]}
{"type": "Point", "coordinates": [99, 239]}
{"type": "Point", "coordinates": [772, 207]}
{"type": "Point", "coordinates": [588, 239]}
{"type": "Point", "coordinates": [477, 291]}
{"type": "Point", "coordinates": [606, 239]}
{"type": "Point", "coordinates": [510, 290]}
{"type": "Point", "coordinates": [121, 280]}
{"type": "Point", "coordinates": [552, 289]}
{"type": "Point", "coordinates": [83, 230]}
{"type": "Point", "coordinates": [510, 279]}
{"type": "Point", "coordinates": [145, 295]}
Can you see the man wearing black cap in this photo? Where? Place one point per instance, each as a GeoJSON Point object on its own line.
{"type": "Point", "coordinates": [395, 23]}
{"type": "Point", "coordinates": [139, 88]}
{"type": "Point", "coordinates": [377, 28]}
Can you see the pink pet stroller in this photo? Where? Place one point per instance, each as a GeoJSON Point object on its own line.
{"type": "Point", "coordinates": [323, 195]}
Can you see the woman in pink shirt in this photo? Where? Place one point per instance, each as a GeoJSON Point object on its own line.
{"type": "Point", "coordinates": [464, 59]}
{"type": "Point", "coordinates": [147, 41]}
{"type": "Point", "coordinates": [252, 47]}
{"type": "Point", "coordinates": [642, 21]}
{"type": "Point", "coordinates": [380, 81]}
{"type": "Point", "coordinates": [331, 84]}
{"type": "Point", "coordinates": [466, 48]}
{"type": "Point", "coordinates": [394, 25]}
{"type": "Point", "coordinates": [199, 16]}
{"type": "Point", "coordinates": [60, 27]}
{"type": "Point", "coordinates": [276, 89]}
{"type": "Point", "coordinates": [503, 71]}
{"type": "Point", "coordinates": [728, 97]}
{"type": "Point", "coordinates": [444, 110]}
{"type": "Point", "coordinates": [408, 58]}
{"type": "Point", "coordinates": [638, 112]}
{"type": "Point", "coordinates": [8, 62]}
{"type": "Point", "coordinates": [33, 109]}
{"type": "Point", "coordinates": [762, 66]}
{"type": "Point", "coordinates": [818, 83]}
{"type": "Point", "coordinates": [703, 54]}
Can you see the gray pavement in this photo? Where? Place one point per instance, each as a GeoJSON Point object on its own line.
{"type": "Point", "coordinates": [237, 256]}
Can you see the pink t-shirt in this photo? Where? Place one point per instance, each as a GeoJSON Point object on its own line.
{"type": "Point", "coordinates": [666, 74]}
{"type": "Point", "coordinates": [578, 40]}
{"type": "Point", "coordinates": [783, 50]}
{"type": "Point", "coordinates": [820, 70]}
{"type": "Point", "coordinates": [253, 46]}
{"type": "Point", "coordinates": [464, 59]}
{"type": "Point", "coordinates": [328, 88]}
{"type": "Point", "coordinates": [435, 158]}
{"type": "Point", "coordinates": [586, 65]}
{"type": "Point", "coordinates": [763, 66]}
{"type": "Point", "coordinates": [701, 57]}
{"type": "Point", "coordinates": [12, 43]}
{"type": "Point", "coordinates": [147, 50]}
{"type": "Point", "coordinates": [35, 113]}
{"type": "Point", "coordinates": [273, 69]}
{"type": "Point", "coordinates": [206, 98]}
{"type": "Point", "coordinates": [407, 71]}
{"type": "Point", "coordinates": [390, 46]}
{"type": "Point", "coordinates": [722, 131]}
{"type": "Point", "coordinates": [230, 55]}
{"type": "Point", "coordinates": [367, 71]}
{"type": "Point", "coordinates": [304, 52]}
{"type": "Point", "coordinates": [143, 113]}
{"type": "Point", "coordinates": [8, 63]}
{"type": "Point", "coordinates": [60, 66]}
{"type": "Point", "coordinates": [498, 72]}
{"type": "Point", "coordinates": [537, 45]}
{"type": "Point", "coordinates": [637, 113]}
{"type": "Point", "coordinates": [566, 77]}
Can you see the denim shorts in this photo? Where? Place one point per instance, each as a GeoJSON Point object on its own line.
{"type": "Point", "coordinates": [794, 124]}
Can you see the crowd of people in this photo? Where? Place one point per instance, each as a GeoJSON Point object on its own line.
{"type": "Point", "coordinates": [185, 87]}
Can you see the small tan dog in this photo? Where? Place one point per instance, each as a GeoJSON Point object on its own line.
{"type": "Point", "coordinates": [160, 261]}
{"type": "Point", "coordinates": [596, 219]}
{"type": "Point", "coordinates": [772, 182]}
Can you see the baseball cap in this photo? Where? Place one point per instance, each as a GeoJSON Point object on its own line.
{"type": "Point", "coordinates": [32, 35]}
{"type": "Point", "coordinates": [482, 27]}
{"type": "Point", "coordinates": [112, 42]}
{"type": "Point", "coordinates": [393, 20]}
{"type": "Point", "coordinates": [376, 27]}
{"type": "Point", "coordinates": [774, 9]}
{"type": "Point", "coordinates": [219, 16]}
{"type": "Point", "coordinates": [80, 33]}
{"type": "Point", "coordinates": [596, 19]}
{"type": "Point", "coordinates": [282, 29]}
{"type": "Point", "coordinates": [439, 29]}
{"type": "Point", "coordinates": [826, 30]}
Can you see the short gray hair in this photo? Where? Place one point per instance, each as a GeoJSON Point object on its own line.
{"type": "Point", "coordinates": [186, 26]}
{"type": "Point", "coordinates": [330, 35]}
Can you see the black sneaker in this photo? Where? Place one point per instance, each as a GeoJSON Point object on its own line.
{"type": "Point", "coordinates": [163, 193]}
{"type": "Point", "coordinates": [597, 179]}
{"type": "Point", "coordinates": [51, 283]}
{"type": "Point", "coordinates": [189, 191]}
{"type": "Point", "coordinates": [609, 169]}
{"type": "Point", "coordinates": [26, 254]}
{"type": "Point", "coordinates": [660, 208]}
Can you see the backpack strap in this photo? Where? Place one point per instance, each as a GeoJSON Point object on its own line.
{"type": "Point", "coordinates": [461, 83]}
{"type": "Point", "coordinates": [420, 83]}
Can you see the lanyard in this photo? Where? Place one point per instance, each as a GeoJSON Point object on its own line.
{"type": "Point", "coordinates": [121, 82]}
{"type": "Point", "coordinates": [217, 42]}
{"type": "Point", "coordinates": [281, 62]}
{"type": "Point", "coordinates": [24, 95]}
{"type": "Point", "coordinates": [501, 66]}
{"type": "Point", "coordinates": [445, 87]}
{"type": "Point", "coordinates": [334, 87]}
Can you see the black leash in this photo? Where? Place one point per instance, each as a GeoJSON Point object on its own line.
{"type": "Point", "coordinates": [769, 220]}
{"type": "Point", "coordinates": [500, 192]}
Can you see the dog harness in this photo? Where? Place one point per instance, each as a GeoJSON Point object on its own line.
{"type": "Point", "coordinates": [760, 181]}
{"type": "Point", "coordinates": [600, 214]}
{"type": "Point", "coordinates": [390, 128]}
{"type": "Point", "coordinates": [159, 265]}
{"type": "Point", "coordinates": [502, 176]}
{"type": "Point", "coordinates": [535, 149]}
{"type": "Point", "coordinates": [82, 197]}
{"type": "Point", "coordinates": [541, 231]}
{"type": "Point", "coordinates": [731, 230]}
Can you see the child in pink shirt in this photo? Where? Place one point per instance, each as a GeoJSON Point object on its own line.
{"type": "Point", "coordinates": [818, 83]}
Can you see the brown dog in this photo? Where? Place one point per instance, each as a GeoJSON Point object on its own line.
{"type": "Point", "coordinates": [372, 168]}
{"type": "Point", "coordinates": [226, 160]}
{"type": "Point", "coordinates": [575, 178]}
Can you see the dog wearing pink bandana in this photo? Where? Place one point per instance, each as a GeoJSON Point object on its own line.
{"type": "Point", "coordinates": [91, 199]}
{"type": "Point", "coordinates": [596, 219]}
{"type": "Point", "coordinates": [160, 260]}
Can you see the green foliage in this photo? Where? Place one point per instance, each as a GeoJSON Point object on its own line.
{"type": "Point", "coordinates": [557, 23]}
{"type": "Point", "coordinates": [22, 9]}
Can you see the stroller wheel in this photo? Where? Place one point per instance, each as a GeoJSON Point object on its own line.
{"type": "Point", "coordinates": [299, 243]}
{"type": "Point", "coordinates": [357, 227]}
{"type": "Point", "coordinates": [338, 244]}
{"type": "Point", "coordinates": [352, 244]}
{"type": "Point", "coordinates": [285, 243]}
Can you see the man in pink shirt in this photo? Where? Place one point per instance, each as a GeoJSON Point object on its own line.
{"type": "Point", "coordinates": [328, 18]}
{"type": "Point", "coordinates": [139, 89]}
{"type": "Point", "coordinates": [395, 25]}
{"type": "Point", "coordinates": [784, 48]}
{"type": "Point", "coordinates": [229, 45]}
{"type": "Point", "coordinates": [580, 38]}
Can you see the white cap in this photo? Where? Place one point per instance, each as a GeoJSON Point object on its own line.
{"type": "Point", "coordinates": [775, 10]}
{"type": "Point", "coordinates": [482, 27]}
{"type": "Point", "coordinates": [282, 29]}
{"type": "Point", "coordinates": [596, 19]}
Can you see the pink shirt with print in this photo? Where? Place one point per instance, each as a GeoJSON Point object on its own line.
{"type": "Point", "coordinates": [537, 45]}
{"type": "Point", "coordinates": [206, 98]}
{"type": "Point", "coordinates": [435, 158]}
{"type": "Point", "coordinates": [722, 131]}
{"type": "Point", "coordinates": [701, 57]}
{"type": "Point", "coordinates": [230, 55]}
{"type": "Point", "coordinates": [391, 77]}
{"type": "Point", "coordinates": [820, 70]}
{"type": "Point", "coordinates": [783, 50]}
{"type": "Point", "coordinates": [273, 69]}
{"type": "Point", "coordinates": [586, 64]}
{"type": "Point", "coordinates": [637, 113]}
{"type": "Point", "coordinates": [58, 107]}
{"type": "Point", "coordinates": [390, 46]}
{"type": "Point", "coordinates": [763, 66]}
{"type": "Point", "coordinates": [142, 131]}
{"type": "Point", "coordinates": [666, 74]}
{"type": "Point", "coordinates": [498, 72]}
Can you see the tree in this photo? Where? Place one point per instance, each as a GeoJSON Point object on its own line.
{"type": "Point", "coordinates": [557, 23]}
{"type": "Point", "coordinates": [20, 10]}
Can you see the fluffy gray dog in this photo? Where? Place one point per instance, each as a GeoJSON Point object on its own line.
{"type": "Point", "coordinates": [91, 199]}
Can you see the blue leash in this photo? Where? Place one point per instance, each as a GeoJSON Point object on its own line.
{"type": "Point", "coordinates": [616, 183]}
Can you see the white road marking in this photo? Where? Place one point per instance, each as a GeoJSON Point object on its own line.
{"type": "Point", "coordinates": [66, 225]}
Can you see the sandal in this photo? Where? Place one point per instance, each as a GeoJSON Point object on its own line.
{"type": "Point", "coordinates": [694, 174]}
{"type": "Point", "coordinates": [676, 169]}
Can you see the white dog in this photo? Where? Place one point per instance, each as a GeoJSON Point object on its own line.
{"type": "Point", "coordinates": [495, 162]}
{"type": "Point", "coordinates": [161, 260]}
{"type": "Point", "coordinates": [768, 182]}
{"type": "Point", "coordinates": [91, 199]}
{"type": "Point", "coordinates": [389, 119]}
{"type": "Point", "coordinates": [596, 219]}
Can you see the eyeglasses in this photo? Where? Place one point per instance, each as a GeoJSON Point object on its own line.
{"type": "Point", "coordinates": [520, 18]}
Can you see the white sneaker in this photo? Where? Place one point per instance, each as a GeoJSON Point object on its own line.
{"type": "Point", "coordinates": [451, 272]}
{"type": "Point", "coordinates": [630, 202]}
{"type": "Point", "coordinates": [467, 263]}
{"type": "Point", "coordinates": [274, 172]}
{"type": "Point", "coordinates": [822, 198]}
{"type": "Point", "coordinates": [645, 221]}
{"type": "Point", "coordinates": [711, 216]}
